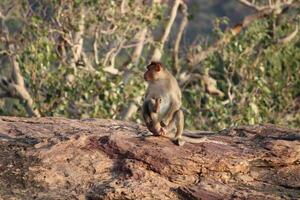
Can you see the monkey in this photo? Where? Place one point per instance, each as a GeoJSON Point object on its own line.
{"type": "Point", "coordinates": [150, 111]}
{"type": "Point", "coordinates": [161, 109]}
{"type": "Point", "coordinates": [163, 87]}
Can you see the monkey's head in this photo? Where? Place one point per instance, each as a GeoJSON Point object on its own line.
{"type": "Point", "coordinates": [154, 72]}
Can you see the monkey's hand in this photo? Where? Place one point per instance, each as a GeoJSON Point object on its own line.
{"type": "Point", "coordinates": [179, 141]}
{"type": "Point", "coordinates": [157, 131]}
{"type": "Point", "coordinates": [162, 132]}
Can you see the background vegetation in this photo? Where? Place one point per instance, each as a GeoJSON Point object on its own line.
{"type": "Point", "coordinates": [85, 58]}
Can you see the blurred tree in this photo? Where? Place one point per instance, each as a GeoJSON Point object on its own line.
{"type": "Point", "coordinates": [85, 58]}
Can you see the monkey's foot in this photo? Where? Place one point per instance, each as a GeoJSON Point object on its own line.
{"type": "Point", "coordinates": [179, 141]}
{"type": "Point", "coordinates": [157, 133]}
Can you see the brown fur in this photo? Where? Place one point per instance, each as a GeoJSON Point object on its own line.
{"type": "Point", "coordinates": [162, 85]}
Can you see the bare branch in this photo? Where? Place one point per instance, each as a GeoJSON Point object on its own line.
{"type": "Point", "coordinates": [16, 73]}
{"type": "Point", "coordinates": [211, 85]}
{"type": "Point", "coordinates": [21, 91]}
{"type": "Point", "coordinates": [123, 6]}
{"type": "Point", "coordinates": [95, 45]}
{"type": "Point", "coordinates": [232, 32]}
{"type": "Point", "coordinates": [271, 5]}
{"type": "Point", "coordinates": [78, 38]}
{"type": "Point", "coordinates": [87, 62]}
{"type": "Point", "coordinates": [289, 37]}
{"type": "Point", "coordinates": [131, 109]}
{"type": "Point", "coordinates": [182, 26]}
{"type": "Point", "coordinates": [140, 38]}
{"type": "Point", "coordinates": [157, 53]}
{"type": "Point", "coordinates": [252, 5]}
{"type": "Point", "coordinates": [109, 31]}
{"type": "Point", "coordinates": [16, 88]}
{"type": "Point", "coordinates": [2, 16]}
{"type": "Point", "coordinates": [13, 90]}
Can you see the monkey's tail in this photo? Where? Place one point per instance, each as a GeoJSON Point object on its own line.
{"type": "Point", "coordinates": [200, 140]}
{"type": "Point", "coordinates": [197, 134]}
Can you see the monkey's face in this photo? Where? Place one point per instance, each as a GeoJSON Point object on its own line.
{"type": "Point", "coordinates": [153, 72]}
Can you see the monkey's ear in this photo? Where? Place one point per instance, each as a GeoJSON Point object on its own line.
{"type": "Point", "coordinates": [153, 63]}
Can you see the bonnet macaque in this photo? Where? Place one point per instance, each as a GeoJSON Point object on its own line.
{"type": "Point", "coordinates": [161, 108]}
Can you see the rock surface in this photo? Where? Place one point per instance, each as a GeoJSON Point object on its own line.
{"type": "Point", "coordinates": [57, 158]}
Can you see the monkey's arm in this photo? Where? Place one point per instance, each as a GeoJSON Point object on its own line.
{"type": "Point", "coordinates": [146, 114]}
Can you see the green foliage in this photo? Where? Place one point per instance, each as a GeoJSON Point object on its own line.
{"type": "Point", "coordinates": [260, 79]}
{"type": "Point", "coordinates": [258, 76]}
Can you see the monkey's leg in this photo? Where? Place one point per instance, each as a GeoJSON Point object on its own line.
{"type": "Point", "coordinates": [174, 107]}
{"type": "Point", "coordinates": [150, 115]}
{"type": "Point", "coordinates": [147, 118]}
{"type": "Point", "coordinates": [177, 122]}
{"type": "Point", "coordinates": [146, 113]}
{"type": "Point", "coordinates": [155, 126]}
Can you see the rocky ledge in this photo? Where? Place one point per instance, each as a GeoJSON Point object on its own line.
{"type": "Point", "coordinates": [57, 158]}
